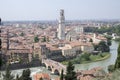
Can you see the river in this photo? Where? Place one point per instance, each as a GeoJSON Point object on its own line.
{"type": "Point", "coordinates": [104, 64]}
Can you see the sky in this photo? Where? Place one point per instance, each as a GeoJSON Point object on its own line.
{"type": "Point", "coordinates": [17, 10]}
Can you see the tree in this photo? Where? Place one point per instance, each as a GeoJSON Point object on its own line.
{"type": "Point", "coordinates": [91, 40]}
{"type": "Point", "coordinates": [102, 46]}
{"type": "Point", "coordinates": [111, 68]}
{"type": "Point", "coordinates": [36, 39]}
{"type": "Point", "coordinates": [8, 75]}
{"type": "Point", "coordinates": [70, 39]}
{"type": "Point", "coordinates": [62, 75]}
{"type": "Point", "coordinates": [109, 42]}
{"type": "Point", "coordinates": [44, 39]}
{"type": "Point", "coordinates": [86, 56]}
{"type": "Point", "coordinates": [95, 47]}
{"type": "Point", "coordinates": [70, 74]}
{"type": "Point", "coordinates": [41, 78]}
{"type": "Point", "coordinates": [117, 63]}
{"type": "Point", "coordinates": [26, 75]}
{"type": "Point", "coordinates": [0, 21]}
{"type": "Point", "coordinates": [117, 30]}
{"type": "Point", "coordinates": [17, 77]}
{"type": "Point", "coordinates": [22, 34]}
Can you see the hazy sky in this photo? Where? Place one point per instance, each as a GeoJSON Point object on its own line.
{"type": "Point", "coordinates": [49, 9]}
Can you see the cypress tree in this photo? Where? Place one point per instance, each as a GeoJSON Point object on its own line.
{"type": "Point", "coordinates": [0, 21]}
{"type": "Point", "coordinates": [17, 77]}
{"type": "Point", "coordinates": [70, 74]}
{"type": "Point", "coordinates": [117, 64]}
{"type": "Point", "coordinates": [7, 75]}
{"type": "Point", "coordinates": [62, 75]}
{"type": "Point", "coordinates": [26, 75]}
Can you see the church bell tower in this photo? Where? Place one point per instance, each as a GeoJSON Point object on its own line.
{"type": "Point", "coordinates": [61, 28]}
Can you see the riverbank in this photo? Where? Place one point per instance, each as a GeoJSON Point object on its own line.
{"type": "Point", "coordinates": [88, 58]}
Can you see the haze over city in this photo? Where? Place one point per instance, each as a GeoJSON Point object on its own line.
{"type": "Point", "coordinates": [59, 39]}
{"type": "Point", "coordinates": [16, 10]}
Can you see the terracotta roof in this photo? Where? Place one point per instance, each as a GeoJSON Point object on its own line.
{"type": "Point", "coordinates": [77, 43]}
{"type": "Point", "coordinates": [19, 51]}
{"type": "Point", "coordinates": [41, 75]}
{"type": "Point", "coordinates": [85, 78]}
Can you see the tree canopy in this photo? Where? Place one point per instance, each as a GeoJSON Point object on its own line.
{"type": "Point", "coordinates": [36, 39]}
{"type": "Point", "coordinates": [70, 74]}
{"type": "Point", "coordinates": [117, 64]}
{"type": "Point", "coordinates": [26, 75]}
{"type": "Point", "coordinates": [102, 46]}
{"type": "Point", "coordinates": [109, 30]}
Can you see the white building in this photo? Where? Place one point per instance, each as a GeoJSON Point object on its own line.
{"type": "Point", "coordinates": [79, 29]}
{"type": "Point", "coordinates": [74, 48]}
{"type": "Point", "coordinates": [97, 38]}
{"type": "Point", "coordinates": [61, 28]}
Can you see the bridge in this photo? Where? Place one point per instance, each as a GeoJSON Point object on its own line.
{"type": "Point", "coordinates": [53, 66]}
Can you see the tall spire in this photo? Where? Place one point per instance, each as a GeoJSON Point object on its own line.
{"type": "Point", "coordinates": [61, 28]}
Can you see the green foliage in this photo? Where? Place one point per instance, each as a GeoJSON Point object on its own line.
{"type": "Point", "coordinates": [22, 34]}
{"type": "Point", "coordinates": [85, 58]}
{"type": "Point", "coordinates": [62, 75]}
{"type": "Point", "coordinates": [8, 75]}
{"type": "Point", "coordinates": [36, 39]}
{"type": "Point", "coordinates": [70, 74]}
{"type": "Point", "coordinates": [114, 76]}
{"type": "Point", "coordinates": [109, 30]}
{"type": "Point", "coordinates": [97, 30]}
{"type": "Point", "coordinates": [17, 77]}
{"type": "Point", "coordinates": [44, 39]}
{"type": "Point", "coordinates": [117, 64]}
{"type": "Point", "coordinates": [102, 46]}
{"type": "Point", "coordinates": [108, 37]}
{"type": "Point", "coordinates": [117, 30]}
{"type": "Point", "coordinates": [99, 56]}
{"type": "Point", "coordinates": [96, 47]}
{"type": "Point", "coordinates": [111, 68]}
{"type": "Point", "coordinates": [91, 40]}
{"type": "Point", "coordinates": [41, 78]}
{"type": "Point", "coordinates": [26, 75]}
{"type": "Point", "coordinates": [109, 42]}
{"type": "Point", "coordinates": [117, 39]}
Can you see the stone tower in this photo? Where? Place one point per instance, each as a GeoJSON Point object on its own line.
{"type": "Point", "coordinates": [61, 28]}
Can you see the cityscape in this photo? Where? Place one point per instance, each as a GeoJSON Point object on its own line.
{"type": "Point", "coordinates": [62, 49]}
